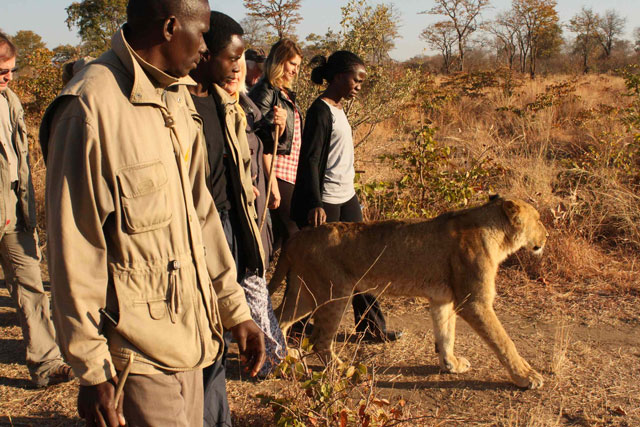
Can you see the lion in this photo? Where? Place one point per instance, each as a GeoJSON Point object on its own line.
{"type": "Point", "coordinates": [452, 260]}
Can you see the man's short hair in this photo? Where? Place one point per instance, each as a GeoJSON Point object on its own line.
{"type": "Point", "coordinates": [222, 28]}
{"type": "Point", "coordinates": [8, 50]}
{"type": "Point", "coordinates": [256, 56]}
{"type": "Point", "coordinates": [143, 13]}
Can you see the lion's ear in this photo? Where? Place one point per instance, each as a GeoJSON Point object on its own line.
{"type": "Point", "coordinates": [513, 212]}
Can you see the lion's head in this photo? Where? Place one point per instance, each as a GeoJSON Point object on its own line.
{"type": "Point", "coordinates": [526, 219]}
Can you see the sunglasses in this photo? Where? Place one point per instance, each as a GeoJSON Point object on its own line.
{"type": "Point", "coordinates": [5, 71]}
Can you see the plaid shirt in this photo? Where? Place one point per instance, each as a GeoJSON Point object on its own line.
{"type": "Point", "coordinates": [287, 166]}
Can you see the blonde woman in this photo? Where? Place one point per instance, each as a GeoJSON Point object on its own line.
{"type": "Point", "coordinates": [272, 95]}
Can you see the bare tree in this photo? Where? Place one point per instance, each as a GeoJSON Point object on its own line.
{"type": "Point", "coordinates": [506, 29]}
{"type": "Point", "coordinates": [636, 39]}
{"type": "Point", "coordinates": [536, 18]}
{"type": "Point", "coordinates": [256, 34]}
{"type": "Point", "coordinates": [441, 36]}
{"type": "Point", "coordinates": [610, 27]}
{"type": "Point", "coordinates": [585, 24]}
{"type": "Point", "coordinates": [281, 15]}
{"type": "Point", "coordinates": [463, 15]}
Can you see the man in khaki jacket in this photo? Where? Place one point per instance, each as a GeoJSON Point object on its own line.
{"type": "Point", "coordinates": [142, 276]}
{"type": "Point", "coordinates": [19, 251]}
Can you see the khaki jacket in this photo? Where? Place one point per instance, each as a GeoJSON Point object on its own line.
{"type": "Point", "coordinates": [25, 191]}
{"type": "Point", "coordinates": [132, 227]}
{"type": "Point", "coordinates": [235, 135]}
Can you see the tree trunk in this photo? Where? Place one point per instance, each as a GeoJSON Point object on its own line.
{"type": "Point", "coordinates": [461, 53]}
{"type": "Point", "coordinates": [532, 63]}
{"type": "Point", "coordinates": [585, 62]}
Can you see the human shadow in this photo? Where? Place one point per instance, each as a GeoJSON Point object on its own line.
{"type": "Point", "coordinates": [454, 384]}
{"type": "Point", "coordinates": [427, 371]}
{"type": "Point", "coordinates": [44, 421]}
{"type": "Point", "coordinates": [418, 370]}
{"type": "Point", "coordinates": [12, 351]}
{"type": "Point", "coordinates": [5, 300]}
{"type": "Point", "coordinates": [16, 383]}
{"type": "Point", "coordinates": [236, 370]}
{"type": "Point", "coordinates": [8, 318]}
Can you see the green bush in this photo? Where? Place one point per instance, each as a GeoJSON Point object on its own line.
{"type": "Point", "coordinates": [431, 181]}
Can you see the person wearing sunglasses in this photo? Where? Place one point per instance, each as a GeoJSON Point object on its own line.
{"type": "Point", "coordinates": [19, 251]}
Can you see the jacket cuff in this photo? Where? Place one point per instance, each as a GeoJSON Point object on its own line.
{"type": "Point", "coordinates": [234, 312]}
{"type": "Point", "coordinates": [93, 372]}
{"type": "Point", "coordinates": [315, 204]}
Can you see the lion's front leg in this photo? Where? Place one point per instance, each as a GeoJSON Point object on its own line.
{"type": "Point", "coordinates": [444, 328]}
{"type": "Point", "coordinates": [326, 321]}
{"type": "Point", "coordinates": [482, 318]}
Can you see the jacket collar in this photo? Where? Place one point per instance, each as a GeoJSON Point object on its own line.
{"type": "Point", "coordinates": [148, 80]}
{"type": "Point", "coordinates": [13, 102]}
{"type": "Point", "coordinates": [223, 96]}
{"type": "Point", "coordinates": [9, 95]}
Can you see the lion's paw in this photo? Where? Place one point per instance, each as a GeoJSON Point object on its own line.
{"type": "Point", "coordinates": [456, 365]}
{"type": "Point", "coordinates": [531, 380]}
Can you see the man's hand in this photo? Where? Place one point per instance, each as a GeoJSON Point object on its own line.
{"type": "Point", "coordinates": [317, 217]}
{"type": "Point", "coordinates": [280, 118]}
{"type": "Point", "coordinates": [97, 406]}
{"type": "Point", "coordinates": [250, 341]}
{"type": "Point", "coordinates": [256, 192]}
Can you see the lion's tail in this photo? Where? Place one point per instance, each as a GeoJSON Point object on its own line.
{"type": "Point", "coordinates": [282, 270]}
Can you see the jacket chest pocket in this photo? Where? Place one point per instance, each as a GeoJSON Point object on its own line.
{"type": "Point", "coordinates": [144, 198]}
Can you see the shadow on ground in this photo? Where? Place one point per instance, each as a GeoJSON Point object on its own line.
{"type": "Point", "coordinates": [39, 421]}
{"type": "Point", "coordinates": [460, 385]}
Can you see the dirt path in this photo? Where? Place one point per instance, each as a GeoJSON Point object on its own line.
{"type": "Point", "coordinates": [590, 362]}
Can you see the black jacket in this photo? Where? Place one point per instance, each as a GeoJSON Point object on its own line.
{"type": "Point", "coordinates": [255, 123]}
{"type": "Point", "coordinates": [312, 163]}
{"type": "Point", "coordinates": [265, 97]}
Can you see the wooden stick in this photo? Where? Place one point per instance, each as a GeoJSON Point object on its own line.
{"type": "Point", "coordinates": [123, 379]}
{"type": "Point", "coordinates": [270, 177]}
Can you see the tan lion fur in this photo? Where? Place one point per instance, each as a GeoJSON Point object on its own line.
{"type": "Point", "coordinates": [452, 260]}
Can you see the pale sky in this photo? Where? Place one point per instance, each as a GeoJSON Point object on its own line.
{"type": "Point", "coordinates": [46, 17]}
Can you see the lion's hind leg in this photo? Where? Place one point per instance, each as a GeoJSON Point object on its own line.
{"type": "Point", "coordinates": [482, 318]}
{"type": "Point", "coordinates": [444, 328]}
{"type": "Point", "coordinates": [297, 303]}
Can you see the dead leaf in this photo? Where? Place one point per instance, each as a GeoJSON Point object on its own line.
{"type": "Point", "coordinates": [381, 402]}
{"type": "Point", "coordinates": [344, 418]}
{"type": "Point", "coordinates": [618, 410]}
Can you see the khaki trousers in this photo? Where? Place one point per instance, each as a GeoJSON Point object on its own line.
{"type": "Point", "coordinates": [20, 259]}
{"type": "Point", "coordinates": [164, 400]}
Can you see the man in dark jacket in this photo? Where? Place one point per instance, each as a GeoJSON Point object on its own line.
{"type": "Point", "coordinates": [19, 252]}
{"type": "Point", "coordinates": [229, 179]}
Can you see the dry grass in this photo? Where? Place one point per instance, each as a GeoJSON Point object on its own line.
{"type": "Point", "coordinates": [560, 349]}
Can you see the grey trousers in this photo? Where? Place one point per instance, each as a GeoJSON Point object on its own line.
{"type": "Point", "coordinates": [20, 258]}
{"type": "Point", "coordinates": [167, 400]}
{"type": "Point", "coordinates": [216, 405]}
